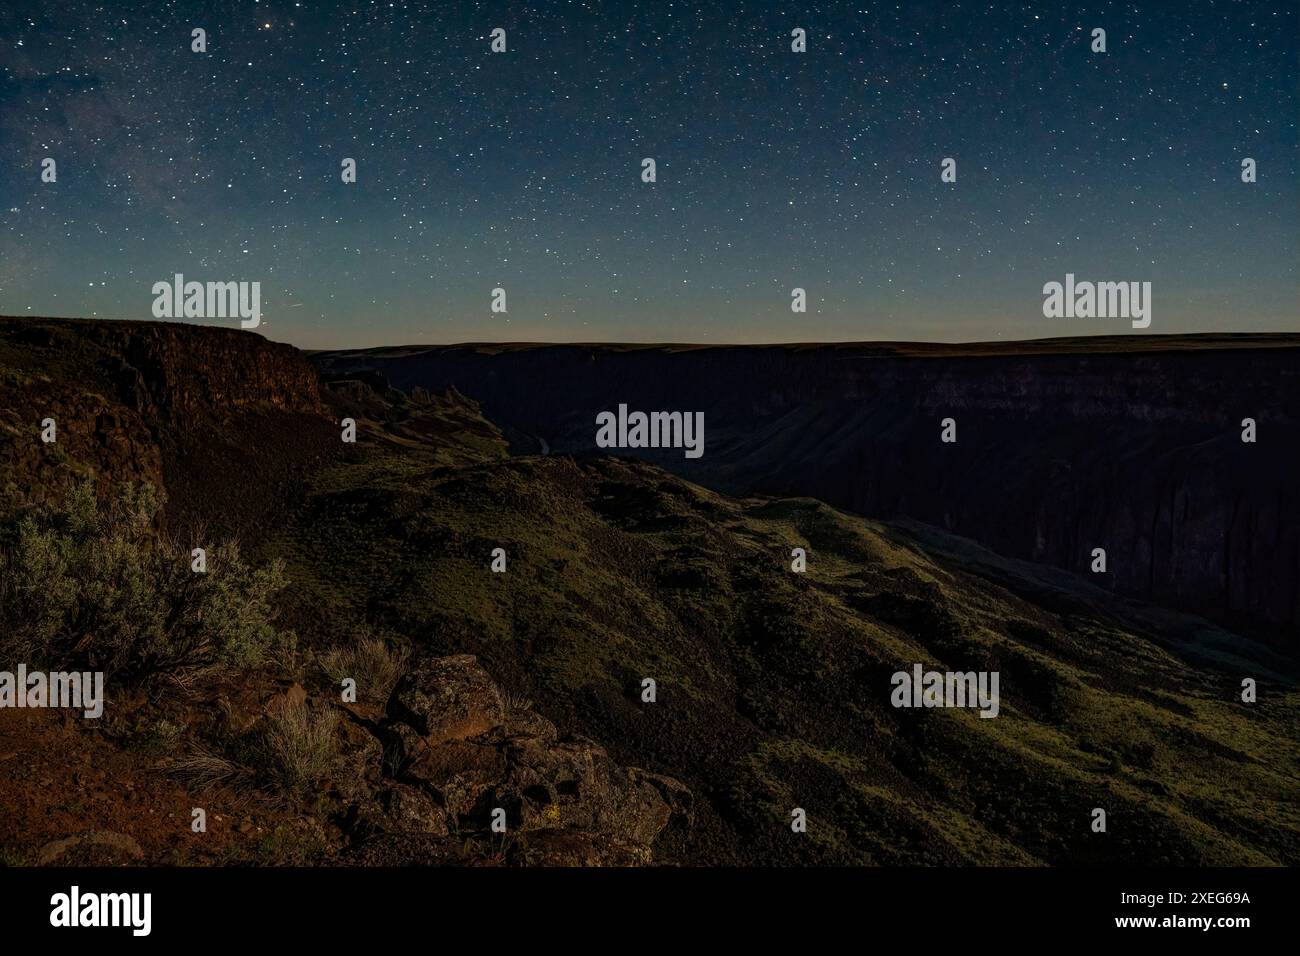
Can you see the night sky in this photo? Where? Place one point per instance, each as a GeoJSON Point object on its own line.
{"type": "Point", "coordinates": [775, 169]}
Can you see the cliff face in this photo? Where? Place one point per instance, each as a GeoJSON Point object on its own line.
{"type": "Point", "coordinates": [1129, 445]}
{"type": "Point", "coordinates": [219, 419]}
{"type": "Point", "coordinates": [186, 375]}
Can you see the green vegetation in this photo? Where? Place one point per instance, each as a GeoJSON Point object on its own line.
{"type": "Point", "coordinates": [296, 746]}
{"type": "Point", "coordinates": [373, 663]}
{"type": "Point", "coordinates": [773, 687]}
{"type": "Point", "coordinates": [92, 583]}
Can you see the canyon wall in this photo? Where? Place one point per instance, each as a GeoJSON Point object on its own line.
{"type": "Point", "coordinates": [1132, 445]}
{"type": "Point", "coordinates": [220, 420]}
{"type": "Point", "coordinates": [1128, 444]}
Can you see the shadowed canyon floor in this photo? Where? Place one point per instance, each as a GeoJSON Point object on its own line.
{"type": "Point", "coordinates": [523, 689]}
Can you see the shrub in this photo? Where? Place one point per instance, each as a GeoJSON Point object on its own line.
{"type": "Point", "coordinates": [203, 768]}
{"type": "Point", "coordinates": [298, 746]}
{"type": "Point", "coordinates": [93, 583]}
{"type": "Point", "coordinates": [371, 662]}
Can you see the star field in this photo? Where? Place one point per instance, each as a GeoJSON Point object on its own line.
{"type": "Point", "coordinates": [775, 170]}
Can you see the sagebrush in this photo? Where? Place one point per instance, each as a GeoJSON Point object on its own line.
{"type": "Point", "coordinates": [93, 583]}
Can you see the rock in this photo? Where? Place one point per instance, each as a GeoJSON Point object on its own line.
{"type": "Point", "coordinates": [454, 754]}
{"type": "Point", "coordinates": [175, 405]}
{"type": "Point", "coordinates": [463, 772]}
{"type": "Point", "coordinates": [409, 809]}
{"type": "Point", "coordinates": [528, 729]}
{"type": "Point", "coordinates": [95, 846]}
{"type": "Point", "coordinates": [362, 754]}
{"type": "Point", "coordinates": [291, 699]}
{"type": "Point", "coordinates": [573, 783]}
{"type": "Point", "coordinates": [403, 744]}
{"type": "Point", "coordinates": [678, 797]}
{"type": "Point", "coordinates": [447, 698]}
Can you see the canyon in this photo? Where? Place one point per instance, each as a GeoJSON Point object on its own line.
{"type": "Point", "coordinates": [1131, 444]}
{"type": "Point", "coordinates": [523, 690]}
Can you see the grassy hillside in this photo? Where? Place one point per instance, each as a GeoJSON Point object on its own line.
{"type": "Point", "coordinates": [773, 687]}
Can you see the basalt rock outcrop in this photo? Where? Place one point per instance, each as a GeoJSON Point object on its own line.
{"type": "Point", "coordinates": [193, 410]}
{"type": "Point", "coordinates": [455, 755]}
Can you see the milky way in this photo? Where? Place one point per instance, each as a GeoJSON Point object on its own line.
{"type": "Point", "coordinates": [775, 169]}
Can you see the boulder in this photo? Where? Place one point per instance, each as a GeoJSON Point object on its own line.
{"type": "Point", "coordinates": [447, 698]}
{"type": "Point", "coordinates": [291, 699]}
{"type": "Point", "coordinates": [410, 810]}
{"type": "Point", "coordinates": [463, 772]}
{"type": "Point", "coordinates": [455, 754]}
